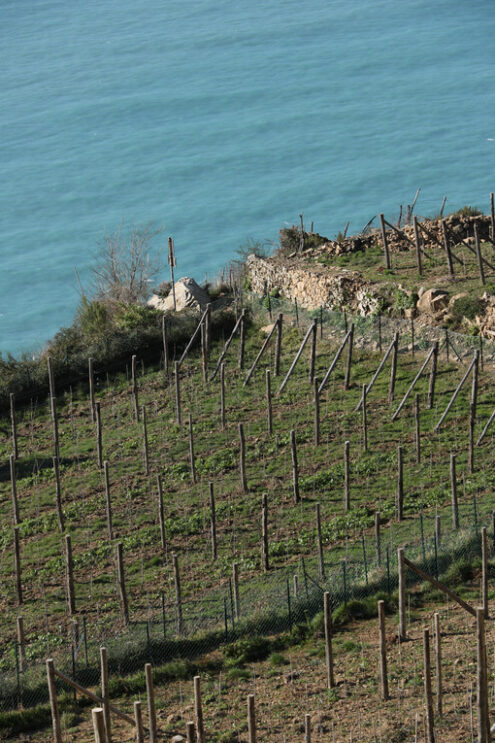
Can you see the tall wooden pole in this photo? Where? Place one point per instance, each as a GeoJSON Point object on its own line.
{"type": "Point", "coordinates": [428, 692]}
{"type": "Point", "coordinates": [327, 618]}
{"type": "Point", "coordinates": [108, 501]}
{"type": "Point", "coordinates": [383, 650]}
{"type": "Point", "coordinates": [121, 585]}
{"type": "Point", "coordinates": [295, 469]}
{"type": "Point", "coordinates": [264, 533]}
{"type": "Point", "coordinates": [13, 427]}
{"type": "Point", "coordinates": [213, 523]}
{"type": "Point", "coordinates": [69, 576]}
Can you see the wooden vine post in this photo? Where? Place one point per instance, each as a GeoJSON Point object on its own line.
{"type": "Point", "coordinates": [350, 344]}
{"type": "Point", "coordinates": [13, 426]}
{"type": "Point", "coordinates": [178, 595]}
{"type": "Point", "coordinates": [327, 619]}
{"type": "Point", "coordinates": [53, 411]}
{"type": "Point", "coordinates": [21, 643]}
{"type": "Point", "coordinates": [400, 484]}
{"type": "Point", "coordinates": [433, 376]}
{"type": "Point", "coordinates": [316, 399]}
{"type": "Point", "coordinates": [98, 718]}
{"type": "Point", "coordinates": [192, 459]}
{"type": "Point", "coordinates": [17, 567]}
{"type": "Point", "coordinates": [198, 711]}
{"type": "Point", "coordinates": [478, 254]}
{"type": "Point", "coordinates": [453, 490]}
{"type": "Point", "coordinates": [383, 650]}
{"type": "Point", "coordinates": [269, 413]}
{"type": "Point", "coordinates": [242, 344]}
{"type": "Point", "coordinates": [105, 693]}
{"type": "Point", "coordinates": [146, 458]}
{"type": "Point", "coordinates": [178, 413]}
{"type": "Point", "coordinates": [242, 458]}
{"type": "Point", "coordinates": [99, 450]}
{"type": "Point", "coordinates": [161, 518]}
{"type": "Point", "coordinates": [319, 540]}
{"type": "Point", "coordinates": [58, 495]}
{"type": "Point", "coordinates": [213, 523]}
{"type": "Point", "coordinates": [134, 387]}
{"type": "Point", "coordinates": [91, 378]}
{"type": "Point", "coordinates": [402, 593]}
{"type": "Point", "coordinates": [393, 369]}
{"type": "Point", "coordinates": [347, 486]}
{"type": "Point", "coordinates": [13, 486]}
{"type": "Point", "coordinates": [172, 264]}
{"type": "Point", "coordinates": [138, 721]}
{"type": "Point", "coordinates": [108, 501]}
{"type": "Point", "coordinates": [278, 345]}
{"type": "Point", "coordinates": [312, 358]}
{"type": "Point", "coordinates": [251, 719]}
{"type": "Point", "coordinates": [417, 429]}
{"type": "Point", "coordinates": [438, 662]}
{"type": "Point", "coordinates": [264, 533]}
{"type": "Point", "coordinates": [447, 250]}
{"type": "Point", "coordinates": [428, 691]}
{"type": "Point", "coordinates": [378, 539]}
{"type": "Point", "coordinates": [235, 581]}
{"type": "Point", "coordinates": [482, 680]}
{"type": "Point", "coordinates": [52, 693]}
{"type": "Point", "coordinates": [365, 420]}
{"type": "Point", "coordinates": [417, 245]}
{"type": "Point", "coordinates": [190, 732]}
{"type": "Point", "coordinates": [165, 348]}
{"type": "Point", "coordinates": [311, 331]}
{"type": "Point", "coordinates": [484, 573]}
{"type": "Point", "coordinates": [150, 693]}
{"type": "Point", "coordinates": [69, 576]}
{"type": "Point", "coordinates": [121, 584]}
{"type": "Point", "coordinates": [222, 395]}
{"type": "Point", "coordinates": [295, 469]}
{"type": "Point", "coordinates": [385, 243]}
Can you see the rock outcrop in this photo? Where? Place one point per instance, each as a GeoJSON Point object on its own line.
{"type": "Point", "coordinates": [187, 294]}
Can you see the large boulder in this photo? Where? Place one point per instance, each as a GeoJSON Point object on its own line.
{"type": "Point", "coordinates": [188, 293]}
{"type": "Point", "coordinates": [432, 301]}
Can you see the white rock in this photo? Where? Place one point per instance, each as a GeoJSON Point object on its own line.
{"type": "Point", "coordinates": [187, 294]}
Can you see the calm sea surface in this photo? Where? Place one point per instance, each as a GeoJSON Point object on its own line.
{"type": "Point", "coordinates": [222, 121]}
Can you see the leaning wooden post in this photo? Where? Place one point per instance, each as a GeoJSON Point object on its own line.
{"type": "Point", "coordinates": [204, 353]}
{"type": "Point", "coordinates": [222, 395]}
{"type": "Point", "coordinates": [385, 243]}
{"type": "Point", "coordinates": [447, 249]}
{"type": "Point", "coordinates": [17, 567]}
{"type": "Point", "coordinates": [378, 539]}
{"type": "Point", "coordinates": [134, 387]}
{"type": "Point", "coordinates": [53, 411]}
{"type": "Point", "coordinates": [482, 680]}
{"type": "Point", "coordinates": [192, 459]}
{"type": "Point", "coordinates": [350, 343]}
{"type": "Point", "coordinates": [91, 377]}
{"type": "Point", "coordinates": [417, 429]}
{"type": "Point", "coordinates": [242, 458]}
{"type": "Point", "coordinates": [438, 662]}
{"type": "Point", "coordinates": [264, 533]}
{"type": "Point", "coordinates": [453, 490]}
{"type": "Point", "coordinates": [235, 581]}
{"type": "Point", "coordinates": [251, 720]}
{"type": "Point", "coordinates": [198, 711]}
{"type": "Point", "coordinates": [21, 644]}
{"type": "Point", "coordinates": [393, 369]}
{"type": "Point", "coordinates": [433, 376]}
{"type": "Point", "coordinates": [478, 254]}
{"type": "Point", "coordinates": [484, 573]}
{"type": "Point", "coordinates": [146, 460]}
{"type": "Point", "coordinates": [150, 693]}
{"type": "Point", "coordinates": [383, 650]}
{"type": "Point", "coordinates": [347, 484]}
{"type": "Point", "coordinates": [327, 620]}
{"type": "Point", "coordinates": [213, 523]}
{"type": "Point", "coordinates": [58, 495]}
{"type": "Point", "coordinates": [13, 486]}
{"type": "Point", "coordinates": [13, 426]}
{"type": "Point", "coordinates": [177, 394]}
{"type": "Point", "coordinates": [165, 346]}
{"type": "Point", "coordinates": [121, 583]}
{"type": "Point", "coordinates": [138, 719]}
{"type": "Point", "coordinates": [161, 519]}
{"type": "Point", "coordinates": [417, 245]}
{"type": "Point", "coordinates": [52, 692]}
{"type": "Point", "coordinates": [99, 450]}
{"type": "Point", "coordinates": [492, 219]}
{"type": "Point", "coordinates": [69, 576]}
{"type": "Point", "coordinates": [312, 357]}
{"type": "Point", "coordinates": [316, 399]}
{"type": "Point", "coordinates": [400, 484]}
{"type": "Point", "coordinates": [178, 595]}
{"type": "Point", "coordinates": [295, 469]}
{"type": "Point", "coordinates": [105, 692]}
{"type": "Point", "coordinates": [269, 414]}
{"type": "Point", "coordinates": [402, 593]}
{"type": "Point", "coordinates": [311, 329]}
{"type": "Point", "coordinates": [108, 502]}
{"type": "Point", "coordinates": [365, 420]}
{"type": "Point", "coordinates": [278, 345]}
{"type": "Point", "coordinates": [428, 692]}
{"type": "Point", "coordinates": [320, 542]}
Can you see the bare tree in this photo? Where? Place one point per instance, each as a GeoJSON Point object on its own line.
{"type": "Point", "coordinates": [126, 264]}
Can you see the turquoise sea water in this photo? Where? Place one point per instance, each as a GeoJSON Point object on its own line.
{"type": "Point", "coordinates": [221, 121]}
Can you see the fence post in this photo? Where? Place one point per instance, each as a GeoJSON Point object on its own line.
{"type": "Point", "coordinates": [365, 419]}
{"type": "Point", "coordinates": [295, 470]}
{"type": "Point", "coordinates": [145, 442]}
{"type": "Point", "coordinates": [151, 703]}
{"type": "Point", "coordinates": [316, 385]}
{"type": "Point", "coordinates": [482, 679]}
{"type": "Point", "coordinates": [242, 458]}
{"type": "Point", "coordinates": [428, 693]}
{"type": "Point", "coordinates": [350, 343]}
{"type": "Point", "coordinates": [320, 543]}
{"type": "Point", "coordinates": [99, 725]}
{"type": "Point", "coordinates": [417, 429]}
{"type": "Point", "coordinates": [378, 539]}
{"type": "Point", "coordinates": [58, 495]}
{"type": "Point", "coordinates": [15, 448]}
{"type": "Point", "coordinates": [222, 395]}
{"type": "Point", "coordinates": [178, 595]}
{"type": "Point", "coordinates": [453, 488]}
{"type": "Point", "coordinates": [99, 450]}
{"type": "Point", "coordinates": [400, 484]}
{"type": "Point", "coordinates": [178, 412]}
{"type": "Point", "coordinates": [138, 717]}
{"type": "Point", "coordinates": [278, 344]}
{"type": "Point", "coordinates": [121, 582]}
{"type": "Point", "coordinates": [134, 387]}
{"type": "Point", "coordinates": [235, 580]}
{"type": "Point", "coordinates": [69, 576]}
{"type": "Point", "coordinates": [347, 492]}
{"type": "Point", "coordinates": [269, 415]}
{"type": "Point", "coordinates": [438, 662]}
{"type": "Point", "coordinates": [264, 532]}
{"type": "Point", "coordinates": [383, 650]}
{"type": "Point", "coordinates": [251, 720]}
{"type": "Point", "coordinates": [327, 616]}
{"type": "Point", "coordinates": [484, 577]}
{"type": "Point", "coordinates": [393, 369]}
{"type": "Point", "coordinates": [105, 693]}
{"type": "Point", "coordinates": [191, 449]}
{"type": "Point", "coordinates": [52, 692]}
{"type": "Point", "coordinates": [198, 710]}
{"type": "Point", "coordinates": [385, 244]}
{"type": "Point", "coordinates": [161, 519]}
{"type": "Point", "coordinates": [433, 376]}
{"type": "Point", "coordinates": [402, 593]}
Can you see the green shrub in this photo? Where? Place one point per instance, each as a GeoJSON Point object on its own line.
{"type": "Point", "coordinates": [467, 307]}
{"type": "Point", "coordinates": [469, 211]}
